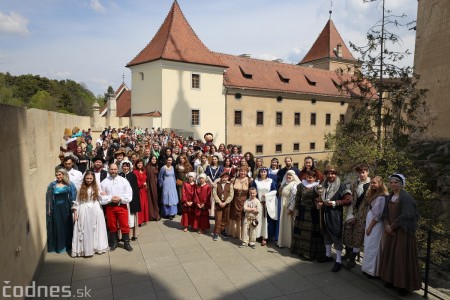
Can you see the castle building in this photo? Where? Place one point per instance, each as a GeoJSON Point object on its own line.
{"type": "Point", "coordinates": [270, 108]}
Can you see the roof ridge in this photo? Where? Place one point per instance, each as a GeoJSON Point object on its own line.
{"type": "Point", "coordinates": [172, 11]}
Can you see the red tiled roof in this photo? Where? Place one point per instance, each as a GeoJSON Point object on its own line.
{"type": "Point", "coordinates": [266, 77]}
{"type": "Point", "coordinates": [176, 41]}
{"type": "Point", "coordinates": [154, 113]}
{"type": "Point", "coordinates": [123, 102]}
{"type": "Point", "coordinates": [325, 44]}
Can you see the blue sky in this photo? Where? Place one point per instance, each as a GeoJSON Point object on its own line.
{"type": "Point", "coordinates": [91, 41]}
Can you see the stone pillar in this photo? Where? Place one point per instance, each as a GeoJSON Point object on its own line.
{"type": "Point", "coordinates": [112, 106]}
{"type": "Point", "coordinates": [95, 115]}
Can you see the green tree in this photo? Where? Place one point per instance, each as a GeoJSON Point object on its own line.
{"type": "Point", "coordinates": [109, 91]}
{"type": "Point", "coordinates": [381, 129]}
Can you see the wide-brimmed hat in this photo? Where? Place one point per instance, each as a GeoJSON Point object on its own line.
{"type": "Point", "coordinates": [331, 169]}
{"type": "Point", "coordinates": [120, 151]}
{"type": "Point", "coordinates": [225, 173]}
{"type": "Point", "coordinates": [98, 158]}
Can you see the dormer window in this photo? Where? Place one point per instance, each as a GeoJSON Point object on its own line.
{"type": "Point", "coordinates": [339, 50]}
{"type": "Point", "coordinates": [310, 80]}
{"type": "Point", "coordinates": [337, 85]}
{"type": "Point", "coordinates": [283, 77]}
{"type": "Point", "coordinates": [246, 73]}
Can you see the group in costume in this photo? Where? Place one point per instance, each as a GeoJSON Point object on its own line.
{"type": "Point", "coordinates": [304, 210]}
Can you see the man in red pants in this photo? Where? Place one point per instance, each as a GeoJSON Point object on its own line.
{"type": "Point", "coordinates": [116, 193]}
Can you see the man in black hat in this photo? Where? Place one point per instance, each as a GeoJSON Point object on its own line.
{"type": "Point", "coordinates": [100, 173]}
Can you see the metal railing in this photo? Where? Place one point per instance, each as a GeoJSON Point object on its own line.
{"type": "Point", "coordinates": [430, 256]}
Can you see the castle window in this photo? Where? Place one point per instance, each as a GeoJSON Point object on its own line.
{"type": "Point", "coordinates": [279, 118]}
{"type": "Point", "coordinates": [141, 74]}
{"type": "Point", "coordinates": [238, 117]}
{"type": "Point", "coordinates": [313, 118]}
{"type": "Point", "coordinates": [328, 119]}
{"type": "Point", "coordinates": [278, 148]}
{"type": "Point", "coordinates": [259, 118]}
{"type": "Point", "coordinates": [259, 149]}
{"type": "Point", "coordinates": [195, 81]}
{"type": "Point", "coordinates": [342, 118]}
{"type": "Point", "coordinates": [312, 146]}
{"type": "Point", "coordinates": [297, 119]}
{"type": "Point", "coordinates": [195, 117]}
{"type": "Point", "coordinates": [296, 147]}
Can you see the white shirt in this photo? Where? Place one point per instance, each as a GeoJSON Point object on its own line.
{"type": "Point", "coordinates": [76, 177]}
{"type": "Point", "coordinates": [117, 186]}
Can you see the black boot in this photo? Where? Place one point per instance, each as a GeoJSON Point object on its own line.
{"type": "Point", "coordinates": [348, 251]}
{"type": "Point", "coordinates": [114, 241]}
{"type": "Point", "coordinates": [126, 242]}
{"type": "Point", "coordinates": [351, 261]}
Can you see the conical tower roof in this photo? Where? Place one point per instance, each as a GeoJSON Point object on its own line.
{"type": "Point", "coordinates": [326, 45]}
{"type": "Point", "coordinates": [176, 41]}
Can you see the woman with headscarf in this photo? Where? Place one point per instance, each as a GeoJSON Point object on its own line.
{"type": "Point", "coordinates": [60, 195]}
{"type": "Point", "coordinates": [375, 200]}
{"type": "Point", "coordinates": [287, 192]}
{"type": "Point", "coordinates": [399, 265]}
{"type": "Point", "coordinates": [266, 189]}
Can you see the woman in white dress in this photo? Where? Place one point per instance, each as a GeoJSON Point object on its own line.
{"type": "Point", "coordinates": [89, 231]}
{"type": "Point", "coordinates": [287, 191]}
{"type": "Point", "coordinates": [265, 186]}
{"type": "Point", "coordinates": [374, 227]}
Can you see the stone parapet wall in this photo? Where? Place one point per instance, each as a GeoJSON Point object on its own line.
{"type": "Point", "coordinates": [29, 153]}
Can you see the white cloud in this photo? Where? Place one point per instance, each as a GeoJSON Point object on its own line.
{"type": "Point", "coordinates": [97, 6]}
{"type": "Point", "coordinates": [13, 23]}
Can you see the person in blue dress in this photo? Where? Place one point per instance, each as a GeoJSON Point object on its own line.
{"type": "Point", "coordinates": [59, 199]}
{"type": "Point", "coordinates": [167, 182]}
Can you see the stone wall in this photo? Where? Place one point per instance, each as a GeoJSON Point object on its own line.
{"type": "Point", "coordinates": [29, 153]}
{"type": "Point", "coordinates": [432, 64]}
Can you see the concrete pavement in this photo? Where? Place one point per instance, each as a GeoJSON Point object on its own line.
{"type": "Point", "coordinates": [168, 263]}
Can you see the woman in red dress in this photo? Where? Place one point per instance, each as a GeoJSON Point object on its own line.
{"type": "Point", "coordinates": [141, 175]}
{"type": "Point", "coordinates": [202, 204]}
{"type": "Point", "coordinates": [187, 200]}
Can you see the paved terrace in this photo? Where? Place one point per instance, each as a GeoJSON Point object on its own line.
{"type": "Point", "coordinates": [168, 263]}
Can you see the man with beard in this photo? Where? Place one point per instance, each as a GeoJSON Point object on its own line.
{"type": "Point", "coordinates": [283, 171]}
{"type": "Point", "coordinates": [333, 196]}
{"type": "Point", "coordinates": [100, 174]}
{"type": "Point", "coordinates": [117, 194]}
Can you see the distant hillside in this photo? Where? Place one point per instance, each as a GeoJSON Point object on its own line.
{"type": "Point", "coordinates": [34, 91]}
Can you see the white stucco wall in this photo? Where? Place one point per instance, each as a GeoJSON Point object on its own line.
{"type": "Point", "coordinates": [179, 99]}
{"type": "Point", "coordinates": [146, 93]}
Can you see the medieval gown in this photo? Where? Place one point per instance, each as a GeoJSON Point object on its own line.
{"type": "Point", "coordinates": [152, 184]}
{"type": "Point", "coordinates": [89, 231]}
{"type": "Point", "coordinates": [143, 215]}
{"type": "Point", "coordinates": [169, 197]}
{"type": "Point", "coordinates": [59, 216]}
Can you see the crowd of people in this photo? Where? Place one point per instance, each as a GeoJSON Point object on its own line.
{"type": "Point", "coordinates": [106, 192]}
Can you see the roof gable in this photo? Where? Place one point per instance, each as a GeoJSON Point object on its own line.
{"type": "Point", "coordinates": [325, 45]}
{"type": "Point", "coordinates": [176, 41]}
